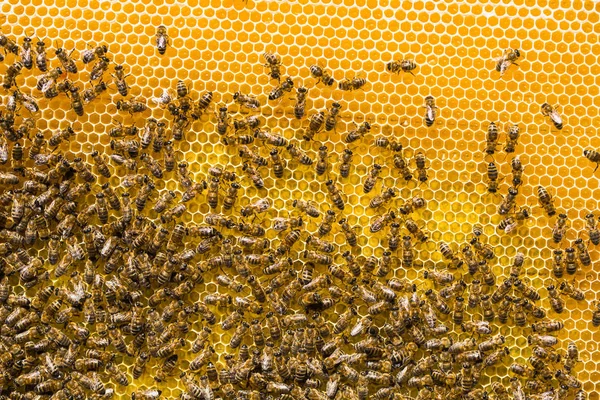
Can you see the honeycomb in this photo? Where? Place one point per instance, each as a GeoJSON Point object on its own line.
{"type": "Point", "coordinates": [218, 47]}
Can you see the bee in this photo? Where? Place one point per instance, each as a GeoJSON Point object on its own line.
{"type": "Point", "coordinates": [383, 198]}
{"type": "Point", "coordinates": [161, 39]}
{"type": "Point", "coordinates": [371, 178]}
{"type": "Point", "coordinates": [430, 110]}
{"type": "Point", "coordinates": [401, 164]}
{"type": "Point", "coordinates": [357, 133]}
{"type": "Point", "coordinates": [58, 137]}
{"type": "Point", "coordinates": [555, 117]}
{"type": "Point", "coordinates": [492, 177]}
{"type": "Point", "coordinates": [92, 93]}
{"type": "Point", "coordinates": [27, 101]}
{"type": "Point", "coordinates": [352, 84]}
{"type": "Point", "coordinates": [512, 139]}
{"type": "Point", "coordinates": [99, 68]}
{"type": "Point", "coordinates": [404, 65]}
{"type": "Point", "coordinates": [414, 230]}
{"type": "Point", "coordinates": [571, 291]}
{"type": "Point", "coordinates": [517, 171]}
{"type": "Point", "coordinates": [146, 394]}
{"type": "Point", "coordinates": [491, 139]}
{"type": "Point", "coordinates": [278, 91]}
{"type": "Point", "coordinates": [592, 228]}
{"type": "Point", "coordinates": [47, 81]}
{"type": "Point", "coordinates": [508, 58]}
{"type": "Point", "coordinates": [258, 207]}
{"type": "Point", "coordinates": [382, 221]}
{"type": "Point", "coordinates": [332, 116]}
{"type": "Point", "coordinates": [131, 106]}
{"type": "Point", "coordinates": [299, 154]}
{"type": "Point", "coordinates": [335, 194]}
{"type": "Point", "coordinates": [202, 105]}
{"type": "Point", "coordinates": [11, 74]}
{"type": "Point", "coordinates": [421, 168]}
{"type": "Point", "coordinates": [119, 78]}
{"type": "Point", "coordinates": [254, 176]}
{"type": "Point", "coordinates": [508, 202]}
{"type": "Point", "coordinates": [274, 65]}
{"type": "Point", "coordinates": [556, 302]}
{"type": "Point", "coordinates": [307, 207]}
{"type": "Point", "coordinates": [582, 251]}
{"type": "Point", "coordinates": [559, 228]}
{"type": "Point", "coordinates": [349, 233]}
{"type": "Point", "coordinates": [321, 74]}
{"type": "Point", "coordinates": [547, 326]}
{"type": "Point", "coordinates": [546, 201]}
{"type": "Point", "coordinates": [41, 60]}
{"type": "Point", "coordinates": [66, 61]}
{"type": "Point", "coordinates": [247, 101]}
{"type": "Point", "coordinates": [570, 262]}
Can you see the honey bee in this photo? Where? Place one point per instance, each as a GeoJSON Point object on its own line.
{"type": "Point", "coordinates": [278, 91]}
{"type": "Point", "coordinates": [27, 101]}
{"type": "Point", "coordinates": [508, 202]}
{"type": "Point", "coordinates": [371, 178]}
{"type": "Point", "coordinates": [352, 84]}
{"type": "Point", "coordinates": [491, 139]}
{"type": "Point", "coordinates": [357, 133]}
{"type": "Point", "coordinates": [592, 228]}
{"type": "Point", "coordinates": [247, 101]}
{"type": "Point", "coordinates": [11, 74]}
{"type": "Point", "coordinates": [131, 106]}
{"type": "Point", "coordinates": [92, 93]}
{"type": "Point", "coordinates": [404, 65]}
{"type": "Point", "coordinates": [335, 194]}
{"type": "Point", "coordinates": [321, 74]}
{"type": "Point", "coordinates": [314, 126]}
{"type": "Point", "coordinates": [512, 139]}
{"type": "Point", "coordinates": [349, 234]}
{"type": "Point", "coordinates": [161, 39]}
{"type": "Point", "coordinates": [430, 110]}
{"type": "Point", "coordinates": [99, 68]}
{"type": "Point", "coordinates": [299, 154]}
{"type": "Point", "coordinates": [582, 252]}
{"type": "Point", "coordinates": [332, 116]}
{"type": "Point", "coordinates": [274, 65]}
{"type": "Point", "coordinates": [66, 61]}
{"type": "Point", "coordinates": [552, 112]}
{"type": "Point", "coordinates": [492, 177]}
{"type": "Point", "coordinates": [546, 201]}
{"type": "Point", "coordinates": [517, 171]}
{"type": "Point", "coordinates": [63, 134]}
{"type": "Point", "coordinates": [119, 78]}
{"type": "Point", "coordinates": [508, 58]}
{"type": "Point", "coordinates": [571, 291]}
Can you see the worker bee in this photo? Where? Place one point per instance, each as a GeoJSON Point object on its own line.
{"type": "Point", "coordinates": [66, 61]}
{"type": "Point", "coordinates": [131, 106]}
{"type": "Point", "coordinates": [558, 231]}
{"type": "Point", "coordinates": [11, 74]}
{"type": "Point", "coordinates": [299, 107]}
{"type": "Point", "coordinates": [517, 171]}
{"type": "Point", "coordinates": [352, 84]}
{"type": "Point", "coordinates": [508, 58]}
{"type": "Point", "coordinates": [556, 302]}
{"type": "Point", "coordinates": [512, 139]}
{"type": "Point", "coordinates": [357, 133]}
{"type": "Point", "coordinates": [332, 116]}
{"type": "Point", "coordinates": [491, 139]}
{"type": "Point", "coordinates": [315, 124]}
{"type": "Point", "coordinates": [382, 221]}
{"type": "Point", "coordinates": [27, 101]}
{"type": "Point", "coordinates": [430, 110]}
{"type": "Point", "coordinates": [27, 53]}
{"type": "Point", "coordinates": [508, 202]}
{"type": "Point", "coordinates": [492, 177]}
{"type": "Point", "coordinates": [386, 195]}
{"type": "Point", "coordinates": [254, 176]}
{"type": "Point", "coordinates": [278, 91]}
{"type": "Point", "coordinates": [421, 167]}
{"type": "Point", "coordinates": [247, 101]}
{"type": "Point", "coordinates": [552, 112]}
{"type": "Point", "coordinates": [162, 39]}
{"type": "Point", "coordinates": [404, 65]}
{"type": "Point", "coordinates": [92, 93]}
{"type": "Point", "coordinates": [99, 68]}
{"type": "Point", "coordinates": [335, 194]}
{"type": "Point", "coordinates": [571, 291]}
{"type": "Point", "coordinates": [321, 74]}
{"type": "Point", "coordinates": [371, 178]}
{"type": "Point", "coordinates": [120, 77]}
{"type": "Point", "coordinates": [274, 65]}
{"type": "Point", "coordinates": [41, 59]}
{"type": "Point", "coordinates": [547, 326]}
{"type": "Point", "coordinates": [592, 228]}
{"type": "Point", "coordinates": [299, 154]}
{"type": "Point", "coordinates": [546, 201]}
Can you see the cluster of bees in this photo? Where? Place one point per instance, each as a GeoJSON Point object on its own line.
{"type": "Point", "coordinates": [103, 283]}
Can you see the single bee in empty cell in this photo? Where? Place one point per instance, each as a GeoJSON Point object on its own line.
{"type": "Point", "coordinates": [321, 74]}
{"type": "Point", "coordinates": [404, 65]}
{"type": "Point", "coordinates": [300, 106]}
{"type": "Point", "coordinates": [278, 91]}
{"type": "Point", "coordinates": [352, 84]}
{"type": "Point", "coordinates": [508, 58]}
{"type": "Point", "coordinates": [161, 39]}
{"type": "Point", "coordinates": [552, 112]}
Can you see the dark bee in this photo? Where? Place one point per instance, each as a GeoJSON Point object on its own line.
{"type": "Point", "coordinates": [99, 69]}
{"type": "Point", "coordinates": [517, 171]}
{"type": "Point", "coordinates": [76, 100]}
{"type": "Point", "coordinates": [41, 59]}
{"type": "Point", "coordinates": [512, 139]}
{"type": "Point", "coordinates": [592, 228]}
{"type": "Point", "coordinates": [401, 163]}
{"type": "Point", "coordinates": [546, 201]}
{"type": "Point", "coordinates": [222, 121]}
{"type": "Point", "coordinates": [491, 139]}
{"type": "Point", "coordinates": [300, 106]}
{"type": "Point", "coordinates": [322, 164]}
{"type": "Point", "coordinates": [277, 163]}
{"type": "Point", "coordinates": [90, 55]}
{"type": "Point", "coordinates": [549, 111]}
{"type": "Point", "coordinates": [316, 123]}
{"type": "Point", "coordinates": [582, 251]}
{"type": "Point", "coordinates": [274, 65]}
{"type": "Point", "coordinates": [404, 65]}
{"type": "Point", "coordinates": [202, 105]}
{"type": "Point", "coordinates": [161, 39]}
{"type": "Point", "coordinates": [309, 208]}
{"type": "Point", "coordinates": [332, 116]}
{"type": "Point", "coordinates": [352, 84]}
{"type": "Point", "coordinates": [508, 203]}
{"type": "Point", "coordinates": [27, 53]}
{"type": "Point", "coordinates": [299, 154]}
{"type": "Point", "coordinates": [278, 91]}
{"type": "Point", "coordinates": [508, 58]}
{"type": "Point", "coordinates": [555, 301]}
{"type": "Point", "coordinates": [383, 198]}
{"type": "Point", "coordinates": [93, 92]}
{"type": "Point", "coordinates": [321, 74]}
{"type": "Point", "coordinates": [593, 156]}
{"type": "Point", "coordinates": [558, 231]}
{"type": "Point", "coordinates": [66, 61]}
{"type": "Point", "coordinates": [119, 77]}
